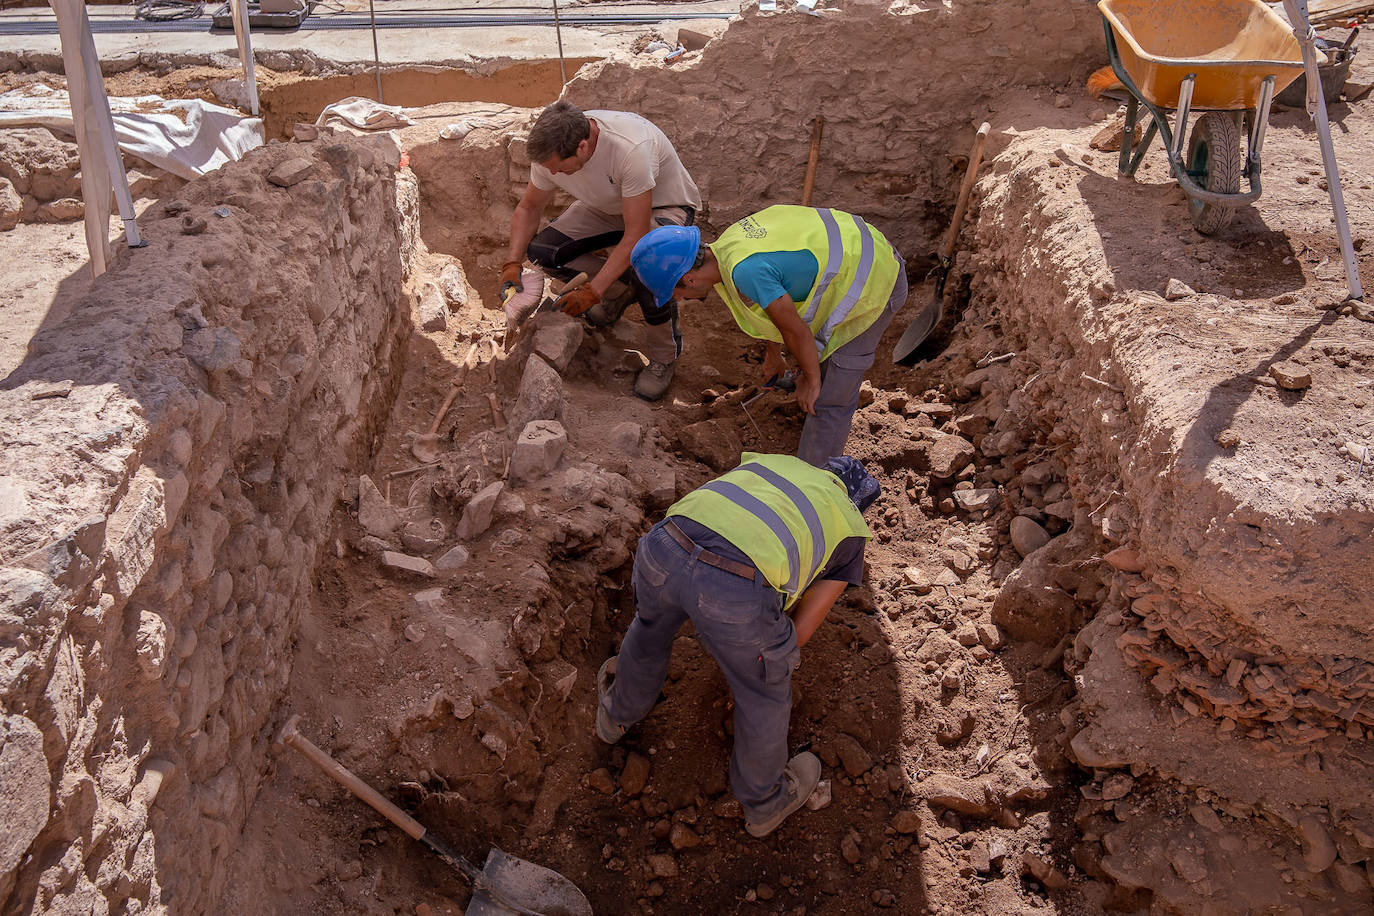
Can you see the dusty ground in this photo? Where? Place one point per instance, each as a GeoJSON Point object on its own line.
{"type": "Point", "coordinates": [944, 742]}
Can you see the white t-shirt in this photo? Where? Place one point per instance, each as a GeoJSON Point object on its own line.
{"type": "Point", "coordinates": [632, 156]}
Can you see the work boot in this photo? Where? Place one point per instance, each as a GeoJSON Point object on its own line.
{"type": "Point", "coordinates": [608, 311]}
{"type": "Point", "coordinates": [606, 728]}
{"type": "Point", "coordinates": [653, 380]}
{"type": "Point", "coordinates": [802, 773]}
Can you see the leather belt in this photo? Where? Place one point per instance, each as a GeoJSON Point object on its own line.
{"type": "Point", "coordinates": [744, 570]}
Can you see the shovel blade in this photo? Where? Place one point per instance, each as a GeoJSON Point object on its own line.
{"type": "Point", "coordinates": [907, 350]}
{"type": "Point", "coordinates": [531, 886]}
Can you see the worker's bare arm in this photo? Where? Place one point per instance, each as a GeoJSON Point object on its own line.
{"type": "Point", "coordinates": [636, 211]}
{"type": "Point", "coordinates": [813, 605]}
{"type": "Point", "coordinates": [783, 313]}
{"type": "Point", "coordinates": [525, 221]}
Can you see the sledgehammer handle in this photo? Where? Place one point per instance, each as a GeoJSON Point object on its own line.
{"type": "Point", "coordinates": [350, 782]}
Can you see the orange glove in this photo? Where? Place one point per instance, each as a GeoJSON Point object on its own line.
{"type": "Point", "coordinates": [510, 278]}
{"type": "Point", "coordinates": [579, 300]}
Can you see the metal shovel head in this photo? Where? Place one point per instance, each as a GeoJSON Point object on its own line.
{"type": "Point", "coordinates": [533, 887]}
{"type": "Point", "coordinates": [906, 352]}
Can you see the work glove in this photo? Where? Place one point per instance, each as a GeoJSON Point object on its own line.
{"type": "Point", "coordinates": [579, 300]}
{"type": "Point", "coordinates": [510, 279]}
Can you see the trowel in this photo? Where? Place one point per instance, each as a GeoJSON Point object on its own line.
{"type": "Point", "coordinates": [504, 885]}
{"type": "Point", "coordinates": [909, 350]}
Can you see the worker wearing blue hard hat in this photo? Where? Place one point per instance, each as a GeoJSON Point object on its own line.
{"type": "Point", "coordinates": [822, 282]}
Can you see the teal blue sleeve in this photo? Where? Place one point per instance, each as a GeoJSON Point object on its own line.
{"type": "Point", "coordinates": [768, 276]}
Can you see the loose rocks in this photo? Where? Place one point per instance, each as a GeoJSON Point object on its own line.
{"type": "Point", "coordinates": [375, 514]}
{"type": "Point", "coordinates": [713, 443]}
{"type": "Point", "coordinates": [948, 455]}
{"type": "Point", "coordinates": [291, 171]}
{"type": "Point", "coordinates": [538, 450]}
{"type": "Point", "coordinates": [478, 512]}
{"type": "Point", "coordinates": [1291, 376]}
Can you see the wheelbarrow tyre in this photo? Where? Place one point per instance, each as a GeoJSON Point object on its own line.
{"type": "Point", "coordinates": [1214, 148]}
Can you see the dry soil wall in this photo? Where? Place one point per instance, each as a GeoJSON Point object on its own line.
{"type": "Point", "coordinates": [901, 87]}
{"type": "Point", "coordinates": [172, 452]}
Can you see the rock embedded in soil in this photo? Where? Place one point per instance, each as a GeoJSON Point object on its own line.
{"type": "Point", "coordinates": [906, 822]}
{"type": "Point", "coordinates": [683, 837]}
{"type": "Point", "coordinates": [537, 450]}
{"type": "Point", "coordinates": [849, 848]}
{"type": "Point", "coordinates": [291, 171]}
{"type": "Point", "coordinates": [662, 865]}
{"type": "Point", "coordinates": [976, 500]}
{"type": "Point", "coordinates": [852, 755]}
{"type": "Point", "coordinates": [962, 796]}
{"type": "Point", "coordinates": [432, 308]}
{"type": "Point", "coordinates": [948, 455]}
{"type": "Point", "coordinates": [558, 338]}
{"type": "Point", "coordinates": [478, 512]}
{"type": "Point", "coordinates": [404, 563]}
{"type": "Point", "coordinates": [540, 396]}
{"type": "Point", "coordinates": [453, 559]}
{"type": "Point", "coordinates": [1291, 376]}
{"type": "Point", "coordinates": [453, 283]}
{"type": "Point", "coordinates": [600, 781]}
{"type": "Point", "coordinates": [1044, 871]}
{"type": "Point", "coordinates": [1177, 289]}
{"type": "Point", "coordinates": [1318, 851]}
{"type": "Point", "coordinates": [11, 206]}
{"type": "Point", "coordinates": [635, 775]}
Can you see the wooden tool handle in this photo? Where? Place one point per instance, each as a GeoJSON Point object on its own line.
{"type": "Point", "coordinates": [810, 184]}
{"type": "Point", "coordinates": [345, 778]}
{"type": "Point", "coordinates": [974, 159]}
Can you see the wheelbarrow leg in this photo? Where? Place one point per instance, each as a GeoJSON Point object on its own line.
{"type": "Point", "coordinates": [1123, 165]}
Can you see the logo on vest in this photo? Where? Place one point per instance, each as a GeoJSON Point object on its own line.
{"type": "Point", "coordinates": [750, 227]}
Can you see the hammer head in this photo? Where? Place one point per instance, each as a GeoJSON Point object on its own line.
{"type": "Point", "coordinates": [287, 735]}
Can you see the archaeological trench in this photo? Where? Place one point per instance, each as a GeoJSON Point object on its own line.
{"type": "Point", "coordinates": [1112, 653]}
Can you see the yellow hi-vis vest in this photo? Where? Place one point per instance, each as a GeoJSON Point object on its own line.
{"type": "Point", "coordinates": [783, 514]}
{"type": "Point", "coordinates": [858, 268]}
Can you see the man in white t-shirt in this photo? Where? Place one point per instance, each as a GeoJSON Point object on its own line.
{"type": "Point", "coordinates": [626, 178]}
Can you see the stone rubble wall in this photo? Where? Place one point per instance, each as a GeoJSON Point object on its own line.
{"type": "Point", "coordinates": [1208, 663]}
{"type": "Point", "coordinates": [902, 88]}
{"type": "Point", "coordinates": [172, 452]}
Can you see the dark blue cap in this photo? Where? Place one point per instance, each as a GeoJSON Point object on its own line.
{"type": "Point", "coordinates": [863, 488]}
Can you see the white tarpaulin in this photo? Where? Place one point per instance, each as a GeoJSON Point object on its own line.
{"type": "Point", "coordinates": [363, 114]}
{"type": "Point", "coordinates": [186, 137]}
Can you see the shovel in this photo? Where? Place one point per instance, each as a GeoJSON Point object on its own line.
{"type": "Point", "coordinates": [505, 885]}
{"type": "Point", "coordinates": [908, 351]}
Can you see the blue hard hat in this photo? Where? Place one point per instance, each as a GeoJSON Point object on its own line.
{"type": "Point", "coordinates": [863, 489]}
{"type": "Point", "coordinates": [662, 256]}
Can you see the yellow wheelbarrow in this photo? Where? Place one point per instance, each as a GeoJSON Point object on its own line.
{"type": "Point", "coordinates": [1224, 58]}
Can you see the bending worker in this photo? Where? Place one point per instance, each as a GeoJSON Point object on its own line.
{"type": "Point", "coordinates": [625, 177]}
{"type": "Point", "coordinates": [823, 282]}
{"type": "Point", "coordinates": [795, 541]}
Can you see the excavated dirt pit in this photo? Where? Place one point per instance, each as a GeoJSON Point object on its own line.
{"type": "Point", "coordinates": [1006, 726]}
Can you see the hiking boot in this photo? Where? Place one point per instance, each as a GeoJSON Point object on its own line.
{"type": "Point", "coordinates": [608, 311]}
{"type": "Point", "coordinates": [606, 728]}
{"type": "Point", "coordinates": [802, 773]}
{"type": "Point", "coordinates": [653, 380]}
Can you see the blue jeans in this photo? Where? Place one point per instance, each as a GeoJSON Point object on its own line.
{"type": "Point", "coordinates": [741, 623]}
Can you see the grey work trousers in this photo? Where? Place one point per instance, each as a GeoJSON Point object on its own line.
{"type": "Point", "coordinates": [824, 434]}
{"type": "Point", "coordinates": [742, 624]}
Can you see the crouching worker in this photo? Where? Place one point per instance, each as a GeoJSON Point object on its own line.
{"type": "Point", "coordinates": [823, 282]}
{"type": "Point", "coordinates": [626, 178]}
{"type": "Point", "coordinates": [756, 559]}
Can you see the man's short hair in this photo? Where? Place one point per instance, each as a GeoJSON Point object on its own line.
{"type": "Point", "coordinates": [557, 132]}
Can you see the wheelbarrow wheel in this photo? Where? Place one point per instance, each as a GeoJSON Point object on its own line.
{"type": "Point", "coordinates": [1214, 154]}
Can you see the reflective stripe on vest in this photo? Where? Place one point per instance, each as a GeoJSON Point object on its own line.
{"type": "Point", "coordinates": [857, 270]}
{"type": "Point", "coordinates": [785, 515]}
